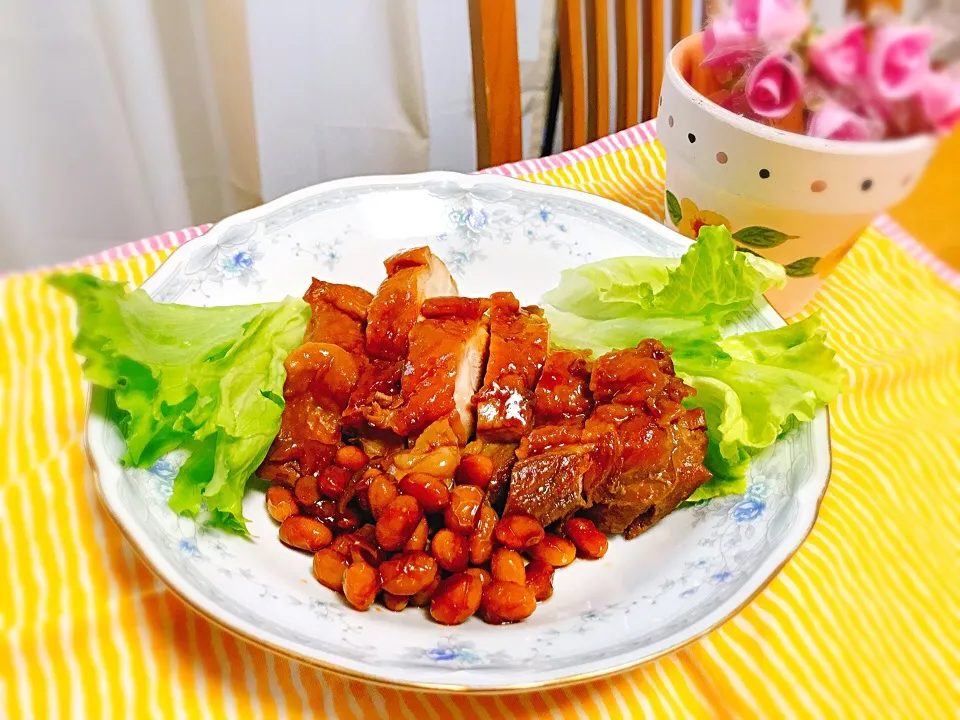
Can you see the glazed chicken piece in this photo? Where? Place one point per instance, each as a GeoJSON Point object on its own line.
{"type": "Point", "coordinates": [548, 477]}
{"type": "Point", "coordinates": [338, 315]}
{"type": "Point", "coordinates": [518, 349]}
{"type": "Point", "coordinates": [445, 360]}
{"type": "Point", "coordinates": [412, 277]}
{"type": "Point", "coordinates": [563, 392]}
{"type": "Point", "coordinates": [662, 443]}
{"type": "Point", "coordinates": [505, 403]}
{"type": "Point", "coordinates": [321, 376]}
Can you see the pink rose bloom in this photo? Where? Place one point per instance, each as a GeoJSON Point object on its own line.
{"type": "Point", "coordinates": [747, 15]}
{"type": "Point", "coordinates": [726, 42]}
{"type": "Point", "coordinates": [940, 100]}
{"type": "Point", "coordinates": [835, 122]}
{"type": "Point", "coordinates": [774, 86]}
{"type": "Point", "coordinates": [780, 22]}
{"type": "Point", "coordinates": [839, 57]}
{"type": "Point", "coordinates": [745, 26]}
{"type": "Point", "coordinates": [899, 60]}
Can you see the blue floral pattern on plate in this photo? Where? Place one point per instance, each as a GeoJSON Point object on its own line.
{"type": "Point", "coordinates": [646, 596]}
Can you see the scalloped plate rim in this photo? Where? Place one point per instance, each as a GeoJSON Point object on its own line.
{"type": "Point", "coordinates": [102, 461]}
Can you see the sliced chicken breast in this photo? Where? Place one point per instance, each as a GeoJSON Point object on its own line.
{"type": "Point", "coordinates": [445, 360]}
{"type": "Point", "coordinates": [518, 348]}
{"type": "Point", "coordinates": [412, 277]}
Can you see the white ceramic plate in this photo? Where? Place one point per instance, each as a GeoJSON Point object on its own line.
{"type": "Point", "coordinates": [645, 598]}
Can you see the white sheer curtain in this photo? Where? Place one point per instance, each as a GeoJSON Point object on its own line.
{"type": "Point", "coordinates": [105, 134]}
{"type": "Point", "coordinates": [124, 118]}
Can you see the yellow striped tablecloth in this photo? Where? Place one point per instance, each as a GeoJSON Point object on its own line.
{"type": "Point", "coordinates": [862, 622]}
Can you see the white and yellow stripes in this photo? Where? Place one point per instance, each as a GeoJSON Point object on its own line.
{"type": "Point", "coordinates": [863, 622]}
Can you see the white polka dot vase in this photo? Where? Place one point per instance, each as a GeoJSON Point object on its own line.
{"type": "Point", "coordinates": [798, 200]}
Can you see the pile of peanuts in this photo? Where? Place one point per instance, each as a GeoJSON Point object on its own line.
{"type": "Point", "coordinates": [418, 542]}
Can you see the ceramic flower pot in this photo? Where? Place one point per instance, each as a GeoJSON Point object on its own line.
{"type": "Point", "coordinates": [800, 201]}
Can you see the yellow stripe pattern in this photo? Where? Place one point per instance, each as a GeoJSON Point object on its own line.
{"type": "Point", "coordinates": [862, 622]}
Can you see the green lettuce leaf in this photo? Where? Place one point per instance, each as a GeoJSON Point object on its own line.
{"type": "Point", "coordinates": [711, 283]}
{"type": "Point", "coordinates": [687, 336]}
{"type": "Point", "coordinates": [207, 380]}
{"type": "Point", "coordinates": [773, 378]}
{"type": "Point", "coordinates": [609, 289]}
{"type": "Point", "coordinates": [772, 381]}
{"type": "Point", "coordinates": [714, 281]}
{"type": "Point", "coordinates": [752, 387]}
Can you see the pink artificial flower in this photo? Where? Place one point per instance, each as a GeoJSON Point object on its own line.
{"type": "Point", "coordinates": [940, 100]}
{"type": "Point", "coordinates": [839, 57]}
{"type": "Point", "coordinates": [899, 60]}
{"type": "Point", "coordinates": [745, 27]}
{"type": "Point", "coordinates": [747, 14]}
{"type": "Point", "coordinates": [774, 86]}
{"type": "Point", "coordinates": [835, 122]}
{"type": "Point", "coordinates": [726, 42]}
{"type": "Point", "coordinates": [781, 22]}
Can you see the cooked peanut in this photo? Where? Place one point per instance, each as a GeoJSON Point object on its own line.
{"type": "Point", "coordinates": [382, 492]}
{"type": "Point", "coordinates": [304, 533]}
{"type": "Point", "coordinates": [519, 531]}
{"type": "Point", "coordinates": [590, 542]}
{"type": "Point", "coordinates": [475, 470]}
{"type": "Point", "coordinates": [408, 573]}
{"type": "Point", "coordinates": [418, 541]}
{"type": "Point", "coordinates": [351, 458]}
{"type": "Point", "coordinates": [506, 602]}
{"type": "Point", "coordinates": [313, 457]}
{"type": "Point", "coordinates": [355, 545]}
{"type": "Point", "coordinates": [450, 549]}
{"type": "Point", "coordinates": [554, 549]}
{"type": "Point", "coordinates": [280, 473]}
{"type": "Point", "coordinates": [456, 599]}
{"type": "Point", "coordinates": [394, 602]}
{"type": "Point", "coordinates": [461, 514]}
{"type": "Point", "coordinates": [507, 565]}
{"type": "Point", "coordinates": [328, 567]}
{"type": "Point", "coordinates": [481, 539]}
{"type": "Point", "coordinates": [431, 492]}
{"type": "Point", "coordinates": [361, 585]}
{"type": "Point", "coordinates": [306, 490]}
{"type": "Point", "coordinates": [358, 487]}
{"type": "Point", "coordinates": [326, 511]}
{"type": "Point", "coordinates": [482, 575]}
{"type": "Point", "coordinates": [423, 597]}
{"type": "Point", "coordinates": [397, 522]}
{"type": "Point", "coordinates": [348, 520]}
{"type": "Point", "coordinates": [281, 503]}
{"type": "Point", "coordinates": [540, 578]}
{"type": "Point", "coordinates": [333, 481]}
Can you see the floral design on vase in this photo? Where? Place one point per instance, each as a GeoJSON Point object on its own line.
{"type": "Point", "coordinates": [688, 219]}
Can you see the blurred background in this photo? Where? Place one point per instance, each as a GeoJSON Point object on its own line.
{"type": "Point", "coordinates": [120, 119]}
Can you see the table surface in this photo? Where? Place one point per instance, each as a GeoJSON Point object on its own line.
{"type": "Point", "coordinates": [862, 622]}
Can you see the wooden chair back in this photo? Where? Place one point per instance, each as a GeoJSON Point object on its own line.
{"type": "Point", "coordinates": [585, 86]}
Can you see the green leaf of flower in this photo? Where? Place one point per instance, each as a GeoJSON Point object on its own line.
{"type": "Point", "coordinates": [761, 237]}
{"type": "Point", "coordinates": [673, 207]}
{"type": "Point", "coordinates": [804, 267]}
